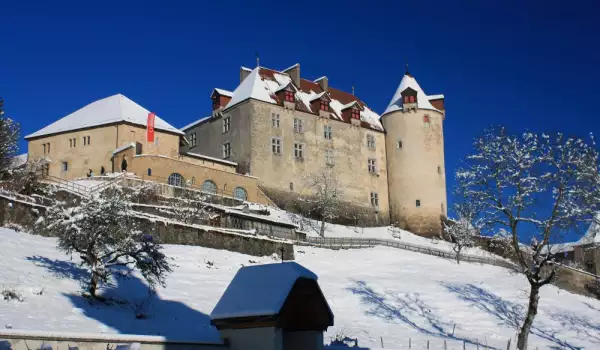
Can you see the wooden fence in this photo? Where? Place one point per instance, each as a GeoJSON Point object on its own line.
{"type": "Point", "coordinates": [352, 242]}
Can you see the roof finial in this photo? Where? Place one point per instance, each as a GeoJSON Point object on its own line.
{"type": "Point", "coordinates": [257, 59]}
{"type": "Point", "coordinates": [406, 70]}
{"type": "Point", "coordinates": [353, 87]}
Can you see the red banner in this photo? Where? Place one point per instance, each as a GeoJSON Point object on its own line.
{"type": "Point", "coordinates": [150, 131]}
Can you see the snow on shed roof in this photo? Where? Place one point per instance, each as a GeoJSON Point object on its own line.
{"type": "Point", "coordinates": [112, 109]}
{"type": "Point", "coordinates": [223, 92]}
{"type": "Point", "coordinates": [408, 81]}
{"type": "Point", "coordinates": [435, 97]}
{"type": "Point", "coordinates": [259, 290]}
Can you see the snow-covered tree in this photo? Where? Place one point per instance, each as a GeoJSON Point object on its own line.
{"type": "Point", "coordinates": [9, 138]}
{"type": "Point", "coordinates": [462, 231]}
{"type": "Point", "coordinates": [326, 194]}
{"type": "Point", "coordinates": [101, 230]}
{"type": "Point", "coordinates": [531, 185]}
{"type": "Point", "coordinates": [190, 207]}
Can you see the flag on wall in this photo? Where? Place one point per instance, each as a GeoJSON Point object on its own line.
{"type": "Point", "coordinates": [150, 129]}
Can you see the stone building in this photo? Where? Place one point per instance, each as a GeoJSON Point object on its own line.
{"type": "Point", "coordinates": [112, 135]}
{"type": "Point", "coordinates": [282, 128]}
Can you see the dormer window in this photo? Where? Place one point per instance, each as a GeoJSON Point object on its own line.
{"type": "Point", "coordinates": [216, 102]}
{"type": "Point", "coordinates": [288, 96]}
{"type": "Point", "coordinates": [355, 113]}
{"type": "Point", "coordinates": [324, 105]}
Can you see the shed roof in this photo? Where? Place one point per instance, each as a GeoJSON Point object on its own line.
{"type": "Point", "coordinates": [259, 290]}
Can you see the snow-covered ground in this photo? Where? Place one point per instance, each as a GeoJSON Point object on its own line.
{"type": "Point", "coordinates": [374, 293]}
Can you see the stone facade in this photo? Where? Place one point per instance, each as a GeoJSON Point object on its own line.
{"type": "Point", "coordinates": [285, 173]}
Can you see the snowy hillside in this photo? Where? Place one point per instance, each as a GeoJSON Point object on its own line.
{"type": "Point", "coordinates": [374, 293]}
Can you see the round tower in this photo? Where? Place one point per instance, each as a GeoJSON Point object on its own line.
{"type": "Point", "coordinates": [415, 158]}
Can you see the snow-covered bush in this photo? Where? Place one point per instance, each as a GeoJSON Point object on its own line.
{"type": "Point", "coordinates": [102, 230]}
{"type": "Point", "coordinates": [9, 139]}
{"type": "Point", "coordinates": [10, 293]}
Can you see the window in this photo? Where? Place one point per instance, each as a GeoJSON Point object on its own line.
{"type": "Point", "coordinates": [329, 160]}
{"type": "Point", "coordinates": [298, 125]}
{"type": "Point", "coordinates": [209, 186]}
{"type": "Point", "coordinates": [298, 150]}
{"type": "Point", "coordinates": [48, 147]}
{"type": "Point", "coordinates": [216, 103]}
{"type": "Point", "coordinates": [371, 141]}
{"type": "Point", "coordinates": [149, 171]}
{"type": "Point", "coordinates": [442, 208]}
{"type": "Point", "coordinates": [226, 124]}
{"type": "Point", "coordinates": [372, 164]}
{"type": "Point", "coordinates": [324, 105]}
{"type": "Point", "coordinates": [65, 166]}
{"type": "Point", "coordinates": [275, 120]}
{"type": "Point", "coordinates": [193, 139]}
{"type": "Point", "coordinates": [72, 142]}
{"type": "Point", "coordinates": [374, 199]}
{"type": "Point", "coordinates": [426, 121]}
{"type": "Point", "coordinates": [44, 148]}
{"type": "Point", "coordinates": [355, 113]}
{"type": "Point", "coordinates": [276, 145]}
{"type": "Point", "coordinates": [86, 140]}
{"type": "Point", "coordinates": [410, 99]}
{"type": "Point", "coordinates": [439, 170]}
{"type": "Point", "coordinates": [327, 132]}
{"type": "Point", "coordinates": [418, 203]}
{"type": "Point", "coordinates": [176, 180]}
{"type": "Point", "coordinates": [289, 96]}
{"type": "Point", "coordinates": [240, 193]}
{"type": "Point", "coordinates": [193, 180]}
{"type": "Point", "coordinates": [138, 148]}
{"type": "Point", "coordinates": [226, 150]}
{"type": "Point", "coordinates": [399, 144]}
{"type": "Point", "coordinates": [291, 186]}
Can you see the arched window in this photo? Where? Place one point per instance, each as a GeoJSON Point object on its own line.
{"type": "Point", "coordinates": [209, 187]}
{"type": "Point", "coordinates": [149, 172]}
{"type": "Point", "coordinates": [240, 193]}
{"type": "Point", "coordinates": [193, 180]}
{"type": "Point", "coordinates": [176, 180]}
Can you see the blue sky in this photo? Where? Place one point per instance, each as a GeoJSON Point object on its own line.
{"type": "Point", "coordinates": [523, 64]}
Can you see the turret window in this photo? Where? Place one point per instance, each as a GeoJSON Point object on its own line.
{"type": "Point", "coordinates": [372, 166]}
{"type": "Point", "coordinates": [418, 203]}
{"type": "Point", "coordinates": [426, 121]}
{"type": "Point", "coordinates": [399, 144]}
{"type": "Point", "coordinates": [289, 96]}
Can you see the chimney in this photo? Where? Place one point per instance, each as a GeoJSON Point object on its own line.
{"type": "Point", "coordinates": [294, 73]}
{"type": "Point", "coordinates": [323, 83]}
{"type": "Point", "coordinates": [244, 72]}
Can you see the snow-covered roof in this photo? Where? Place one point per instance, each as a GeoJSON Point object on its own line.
{"type": "Point", "coordinates": [593, 233]}
{"type": "Point", "coordinates": [435, 97]}
{"type": "Point", "coordinates": [408, 81]}
{"type": "Point", "coordinates": [318, 96]}
{"type": "Point", "coordinates": [259, 290]}
{"type": "Point", "coordinates": [222, 92]}
{"type": "Point", "coordinates": [319, 79]}
{"type": "Point", "coordinates": [212, 159]}
{"type": "Point", "coordinates": [122, 148]}
{"type": "Point", "coordinates": [192, 124]}
{"type": "Point", "coordinates": [262, 84]}
{"type": "Point", "coordinates": [113, 109]}
{"type": "Point", "coordinates": [17, 161]}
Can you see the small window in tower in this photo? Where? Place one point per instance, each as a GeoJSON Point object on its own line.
{"type": "Point", "coordinates": [426, 121]}
{"type": "Point", "coordinates": [291, 186]}
{"type": "Point", "coordinates": [374, 199]}
{"type": "Point", "coordinates": [418, 203]}
{"type": "Point", "coordinates": [65, 166]}
{"type": "Point", "coordinates": [372, 165]}
{"type": "Point", "coordinates": [355, 113]}
{"type": "Point", "coordinates": [442, 208]}
{"type": "Point", "coordinates": [149, 171]}
{"type": "Point", "coordinates": [399, 144]}
{"type": "Point", "coordinates": [289, 96]}
{"type": "Point", "coordinates": [439, 170]}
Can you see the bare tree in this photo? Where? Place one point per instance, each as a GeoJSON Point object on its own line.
{"type": "Point", "coordinates": [537, 185]}
{"type": "Point", "coordinates": [190, 207]}
{"type": "Point", "coordinates": [101, 230]}
{"type": "Point", "coordinates": [463, 231]}
{"type": "Point", "coordinates": [326, 195]}
{"type": "Point", "coordinates": [9, 138]}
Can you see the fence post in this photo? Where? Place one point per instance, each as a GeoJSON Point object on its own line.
{"type": "Point", "coordinates": [427, 344]}
{"type": "Point", "coordinates": [508, 345]}
{"type": "Point", "coordinates": [464, 345]}
{"type": "Point", "coordinates": [445, 346]}
{"type": "Point", "coordinates": [409, 343]}
{"type": "Point", "coordinates": [382, 343]}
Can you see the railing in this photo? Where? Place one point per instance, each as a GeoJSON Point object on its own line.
{"type": "Point", "coordinates": [351, 242]}
{"type": "Point", "coordinates": [67, 185]}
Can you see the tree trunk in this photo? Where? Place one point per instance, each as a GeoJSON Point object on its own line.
{"type": "Point", "coordinates": [323, 226]}
{"type": "Point", "coordinates": [93, 284]}
{"type": "Point", "coordinates": [534, 298]}
{"type": "Point", "coordinates": [458, 257]}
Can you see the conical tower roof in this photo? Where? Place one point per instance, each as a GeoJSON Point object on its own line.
{"type": "Point", "coordinates": [408, 81]}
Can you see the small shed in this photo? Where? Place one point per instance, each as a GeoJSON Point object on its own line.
{"type": "Point", "coordinates": [273, 307]}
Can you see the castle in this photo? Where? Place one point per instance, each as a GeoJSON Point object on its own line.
{"type": "Point", "coordinates": [262, 141]}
